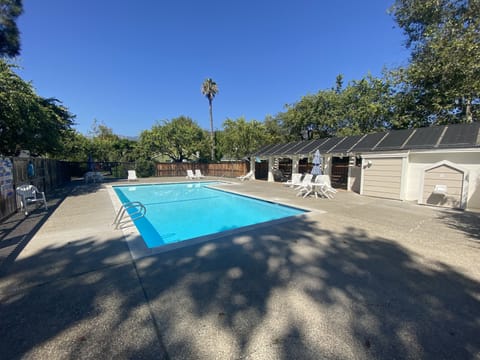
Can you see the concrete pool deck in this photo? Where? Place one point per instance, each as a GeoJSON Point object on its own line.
{"type": "Point", "coordinates": [362, 278]}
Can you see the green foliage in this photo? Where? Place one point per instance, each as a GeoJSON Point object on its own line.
{"type": "Point", "coordinates": [10, 10]}
{"type": "Point", "coordinates": [76, 147]}
{"type": "Point", "coordinates": [240, 138]}
{"type": "Point", "coordinates": [119, 171]}
{"type": "Point", "coordinates": [28, 121]}
{"type": "Point", "coordinates": [179, 139]}
{"type": "Point", "coordinates": [442, 82]}
{"type": "Point", "coordinates": [145, 168]}
{"type": "Point", "coordinates": [363, 106]}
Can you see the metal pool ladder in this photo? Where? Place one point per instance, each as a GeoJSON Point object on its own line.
{"type": "Point", "coordinates": [139, 212]}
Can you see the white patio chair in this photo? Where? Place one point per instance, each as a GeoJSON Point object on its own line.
{"type": "Point", "coordinates": [198, 174]}
{"type": "Point", "coordinates": [324, 187]}
{"type": "Point", "coordinates": [294, 181]}
{"type": "Point", "coordinates": [30, 194]}
{"type": "Point", "coordinates": [247, 176]}
{"type": "Point", "coordinates": [305, 185]}
{"type": "Point", "coordinates": [132, 175]}
{"type": "Point", "coordinates": [190, 174]}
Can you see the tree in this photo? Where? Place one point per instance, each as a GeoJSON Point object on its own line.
{"type": "Point", "coordinates": [10, 10]}
{"type": "Point", "coordinates": [366, 106]}
{"type": "Point", "coordinates": [240, 138]}
{"type": "Point", "coordinates": [76, 147]}
{"type": "Point", "coordinates": [210, 89]}
{"type": "Point", "coordinates": [443, 78]}
{"type": "Point", "coordinates": [363, 106]}
{"type": "Point", "coordinates": [179, 139]}
{"type": "Point", "coordinates": [28, 121]}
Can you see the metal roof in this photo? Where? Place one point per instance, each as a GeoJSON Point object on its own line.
{"type": "Point", "coordinates": [434, 137]}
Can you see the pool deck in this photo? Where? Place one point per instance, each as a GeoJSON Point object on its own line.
{"type": "Point", "coordinates": [358, 278]}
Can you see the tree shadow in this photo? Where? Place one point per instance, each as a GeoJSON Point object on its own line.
{"type": "Point", "coordinates": [464, 221]}
{"type": "Point", "coordinates": [17, 230]}
{"type": "Point", "coordinates": [296, 290]}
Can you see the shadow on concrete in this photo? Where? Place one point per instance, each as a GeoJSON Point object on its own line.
{"type": "Point", "coordinates": [464, 221]}
{"type": "Point", "coordinates": [294, 291]}
{"type": "Point", "coordinates": [17, 230]}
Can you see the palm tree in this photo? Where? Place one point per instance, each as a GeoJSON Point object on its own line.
{"type": "Point", "coordinates": [210, 89]}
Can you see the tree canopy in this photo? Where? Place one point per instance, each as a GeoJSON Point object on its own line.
{"type": "Point", "coordinates": [28, 121]}
{"type": "Point", "coordinates": [179, 139]}
{"type": "Point", "coordinates": [240, 138]}
{"type": "Point", "coordinates": [442, 81]}
{"type": "Point", "coordinates": [10, 10]}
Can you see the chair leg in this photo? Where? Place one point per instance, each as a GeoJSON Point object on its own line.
{"type": "Point", "coordinates": [44, 201]}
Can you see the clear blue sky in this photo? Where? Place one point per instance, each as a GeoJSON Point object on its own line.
{"type": "Point", "coordinates": [131, 63]}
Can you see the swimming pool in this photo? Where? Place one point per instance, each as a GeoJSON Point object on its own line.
{"type": "Point", "coordinates": [182, 211]}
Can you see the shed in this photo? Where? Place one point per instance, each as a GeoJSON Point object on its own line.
{"type": "Point", "coordinates": [444, 184]}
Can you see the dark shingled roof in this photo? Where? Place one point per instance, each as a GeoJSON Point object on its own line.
{"type": "Point", "coordinates": [434, 137]}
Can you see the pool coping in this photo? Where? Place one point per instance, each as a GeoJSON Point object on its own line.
{"type": "Point", "coordinates": [138, 248]}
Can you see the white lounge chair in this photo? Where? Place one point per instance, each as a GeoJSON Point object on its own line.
{"type": "Point", "coordinates": [294, 181]}
{"type": "Point", "coordinates": [198, 174]}
{"type": "Point", "coordinates": [132, 175]}
{"type": "Point", "coordinates": [247, 176]}
{"type": "Point", "coordinates": [30, 194]}
{"type": "Point", "coordinates": [190, 174]}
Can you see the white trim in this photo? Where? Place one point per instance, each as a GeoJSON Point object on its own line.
{"type": "Point", "coordinates": [465, 180]}
{"type": "Point", "coordinates": [444, 150]}
{"type": "Point", "coordinates": [404, 178]}
{"type": "Point", "coordinates": [385, 155]}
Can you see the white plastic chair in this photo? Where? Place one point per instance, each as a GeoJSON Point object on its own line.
{"type": "Point", "coordinates": [305, 183]}
{"type": "Point", "coordinates": [294, 181]}
{"type": "Point", "coordinates": [190, 174]}
{"type": "Point", "coordinates": [30, 194]}
{"type": "Point", "coordinates": [247, 176]}
{"type": "Point", "coordinates": [198, 174]}
{"type": "Point", "coordinates": [323, 187]}
{"type": "Point", "coordinates": [132, 175]}
{"type": "Point", "coordinates": [305, 186]}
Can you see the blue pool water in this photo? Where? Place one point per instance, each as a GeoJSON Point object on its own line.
{"type": "Point", "coordinates": [177, 212]}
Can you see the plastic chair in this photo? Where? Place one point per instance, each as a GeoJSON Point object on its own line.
{"type": "Point", "coordinates": [198, 174]}
{"type": "Point", "coordinates": [294, 181]}
{"type": "Point", "coordinates": [30, 194]}
{"type": "Point", "coordinates": [190, 174]}
{"type": "Point", "coordinates": [132, 175]}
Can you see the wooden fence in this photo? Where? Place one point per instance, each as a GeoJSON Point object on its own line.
{"type": "Point", "coordinates": [49, 174]}
{"type": "Point", "coordinates": [45, 174]}
{"type": "Point", "coordinates": [224, 169]}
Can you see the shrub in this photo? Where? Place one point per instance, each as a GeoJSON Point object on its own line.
{"type": "Point", "coordinates": [145, 168]}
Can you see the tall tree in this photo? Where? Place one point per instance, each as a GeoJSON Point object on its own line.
{"type": "Point", "coordinates": [240, 138]}
{"type": "Point", "coordinates": [444, 71]}
{"type": "Point", "coordinates": [28, 121]}
{"type": "Point", "coordinates": [179, 139]}
{"type": "Point", "coordinates": [210, 89]}
{"type": "Point", "coordinates": [10, 10]}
